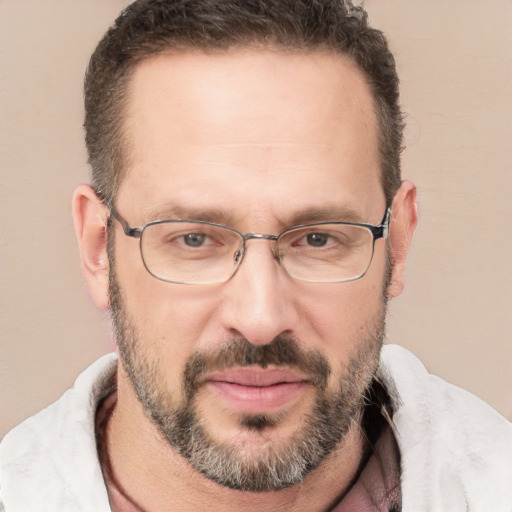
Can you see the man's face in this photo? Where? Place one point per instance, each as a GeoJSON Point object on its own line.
{"type": "Point", "coordinates": [257, 379]}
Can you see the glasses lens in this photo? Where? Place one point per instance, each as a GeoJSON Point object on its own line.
{"type": "Point", "coordinates": [326, 252]}
{"type": "Point", "coordinates": [190, 252]}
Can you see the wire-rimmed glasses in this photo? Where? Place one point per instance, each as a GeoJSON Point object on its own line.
{"type": "Point", "coordinates": [197, 252]}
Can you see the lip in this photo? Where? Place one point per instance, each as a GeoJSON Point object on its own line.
{"type": "Point", "coordinates": [255, 390]}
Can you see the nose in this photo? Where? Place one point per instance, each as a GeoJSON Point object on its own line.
{"type": "Point", "coordinates": [258, 301]}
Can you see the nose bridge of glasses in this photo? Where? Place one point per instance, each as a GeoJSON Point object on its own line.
{"type": "Point", "coordinates": [252, 236]}
{"type": "Point", "coordinates": [259, 236]}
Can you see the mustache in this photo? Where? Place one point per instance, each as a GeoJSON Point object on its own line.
{"type": "Point", "coordinates": [281, 351]}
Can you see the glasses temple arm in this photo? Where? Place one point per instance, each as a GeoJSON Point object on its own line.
{"type": "Point", "coordinates": [128, 230]}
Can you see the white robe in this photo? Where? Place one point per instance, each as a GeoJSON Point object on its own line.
{"type": "Point", "coordinates": [456, 450]}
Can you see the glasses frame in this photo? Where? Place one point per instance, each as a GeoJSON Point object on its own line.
{"type": "Point", "coordinates": [378, 231]}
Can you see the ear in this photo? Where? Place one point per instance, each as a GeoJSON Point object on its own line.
{"type": "Point", "coordinates": [404, 217]}
{"type": "Point", "coordinates": [90, 221]}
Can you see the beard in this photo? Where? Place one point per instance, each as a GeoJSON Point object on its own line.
{"type": "Point", "coordinates": [258, 466]}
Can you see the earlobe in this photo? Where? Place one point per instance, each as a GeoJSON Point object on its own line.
{"type": "Point", "coordinates": [404, 218]}
{"type": "Point", "coordinates": [90, 221]}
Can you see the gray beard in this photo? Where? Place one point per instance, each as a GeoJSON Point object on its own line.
{"type": "Point", "coordinates": [255, 468]}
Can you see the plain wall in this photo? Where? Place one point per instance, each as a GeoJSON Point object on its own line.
{"type": "Point", "coordinates": [454, 58]}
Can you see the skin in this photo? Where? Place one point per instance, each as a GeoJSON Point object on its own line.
{"type": "Point", "coordinates": [226, 134]}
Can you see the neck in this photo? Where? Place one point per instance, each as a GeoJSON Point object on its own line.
{"type": "Point", "coordinates": [149, 474]}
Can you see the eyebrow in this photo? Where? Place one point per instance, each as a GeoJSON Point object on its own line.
{"type": "Point", "coordinates": [214, 215]}
{"type": "Point", "coordinates": [309, 215]}
{"type": "Point", "coordinates": [335, 213]}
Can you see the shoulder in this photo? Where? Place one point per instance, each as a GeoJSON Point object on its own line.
{"type": "Point", "coordinates": [432, 400]}
{"type": "Point", "coordinates": [456, 450]}
{"type": "Point", "coordinates": [48, 458]}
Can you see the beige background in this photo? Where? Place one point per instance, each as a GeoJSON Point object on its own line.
{"type": "Point", "coordinates": [454, 57]}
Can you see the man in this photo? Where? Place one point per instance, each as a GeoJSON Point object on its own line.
{"type": "Point", "coordinates": [246, 225]}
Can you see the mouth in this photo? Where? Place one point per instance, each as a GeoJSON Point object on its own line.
{"type": "Point", "coordinates": [254, 390]}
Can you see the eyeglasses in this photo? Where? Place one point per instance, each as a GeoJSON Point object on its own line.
{"type": "Point", "coordinates": [196, 252]}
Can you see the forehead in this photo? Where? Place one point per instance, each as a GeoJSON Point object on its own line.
{"type": "Point", "coordinates": [216, 127]}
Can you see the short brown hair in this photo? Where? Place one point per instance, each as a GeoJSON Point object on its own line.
{"type": "Point", "coordinates": [150, 27]}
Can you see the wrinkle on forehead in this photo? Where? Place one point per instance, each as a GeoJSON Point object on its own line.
{"type": "Point", "coordinates": [264, 145]}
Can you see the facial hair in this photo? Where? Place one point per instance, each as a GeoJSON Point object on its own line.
{"type": "Point", "coordinates": [270, 466]}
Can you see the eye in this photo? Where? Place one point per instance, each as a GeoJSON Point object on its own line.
{"type": "Point", "coordinates": [317, 239]}
{"type": "Point", "coordinates": [190, 240]}
{"type": "Point", "coordinates": [195, 239]}
{"type": "Point", "coordinates": [320, 238]}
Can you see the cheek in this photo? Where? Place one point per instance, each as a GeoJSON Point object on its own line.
{"type": "Point", "coordinates": [171, 321]}
{"type": "Point", "coordinates": [344, 316]}
{"type": "Point", "coordinates": [341, 311]}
